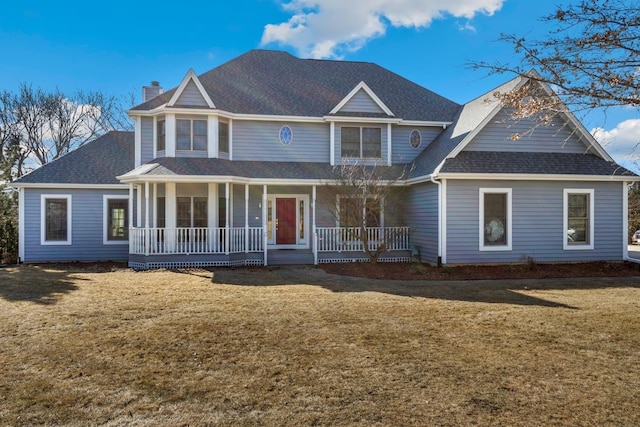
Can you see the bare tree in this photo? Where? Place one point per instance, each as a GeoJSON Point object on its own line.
{"type": "Point", "coordinates": [590, 57]}
{"type": "Point", "coordinates": [359, 197]}
{"type": "Point", "coordinates": [46, 125]}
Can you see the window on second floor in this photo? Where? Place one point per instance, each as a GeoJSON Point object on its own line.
{"type": "Point", "coordinates": [223, 137]}
{"type": "Point", "coordinates": [191, 134]}
{"type": "Point", "coordinates": [160, 135]}
{"type": "Point", "coordinates": [361, 142]}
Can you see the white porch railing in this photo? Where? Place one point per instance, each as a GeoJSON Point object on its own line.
{"type": "Point", "coordinates": [160, 241]}
{"type": "Point", "coordinates": [343, 239]}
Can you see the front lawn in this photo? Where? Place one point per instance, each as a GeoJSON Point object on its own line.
{"type": "Point", "coordinates": [284, 346]}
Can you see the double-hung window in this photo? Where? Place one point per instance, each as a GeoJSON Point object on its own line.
{"type": "Point", "coordinates": [191, 134]}
{"type": "Point", "coordinates": [361, 142]}
{"type": "Point", "coordinates": [578, 213]}
{"type": "Point", "coordinates": [223, 137]}
{"type": "Point", "coordinates": [55, 217]}
{"type": "Point", "coordinates": [191, 212]}
{"type": "Point", "coordinates": [160, 135]}
{"type": "Point", "coordinates": [354, 211]}
{"type": "Point", "coordinates": [495, 219]}
{"type": "Point", "coordinates": [116, 219]}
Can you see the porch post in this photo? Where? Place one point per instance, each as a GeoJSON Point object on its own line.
{"type": "Point", "coordinates": [139, 206]}
{"type": "Point", "coordinates": [227, 192]}
{"type": "Point", "coordinates": [246, 218]}
{"type": "Point", "coordinates": [170, 216]}
{"type": "Point", "coordinates": [146, 218]}
{"type": "Point", "coordinates": [212, 216]}
{"type": "Point", "coordinates": [314, 235]}
{"type": "Point", "coordinates": [264, 222]}
{"type": "Point", "coordinates": [132, 237]}
{"type": "Point", "coordinates": [154, 203]}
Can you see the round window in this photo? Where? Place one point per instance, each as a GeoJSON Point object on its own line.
{"type": "Point", "coordinates": [415, 138]}
{"type": "Point", "coordinates": [286, 135]}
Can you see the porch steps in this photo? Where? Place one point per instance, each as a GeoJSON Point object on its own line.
{"type": "Point", "coordinates": [290, 257]}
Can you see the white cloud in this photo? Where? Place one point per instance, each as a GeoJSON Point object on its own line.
{"type": "Point", "coordinates": [329, 28]}
{"type": "Point", "coordinates": [622, 142]}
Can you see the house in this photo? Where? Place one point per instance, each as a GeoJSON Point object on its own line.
{"type": "Point", "coordinates": [229, 168]}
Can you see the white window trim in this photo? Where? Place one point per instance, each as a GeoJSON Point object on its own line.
{"type": "Point", "coordinates": [105, 220]}
{"type": "Point", "coordinates": [508, 246]}
{"type": "Point", "coordinates": [565, 219]}
{"type": "Point", "coordinates": [43, 219]}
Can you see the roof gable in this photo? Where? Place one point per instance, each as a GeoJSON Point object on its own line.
{"type": "Point", "coordinates": [190, 93]}
{"type": "Point", "coordinates": [361, 99]}
{"type": "Point", "coordinates": [490, 99]}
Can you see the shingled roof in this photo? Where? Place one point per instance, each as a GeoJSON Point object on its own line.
{"type": "Point", "coordinates": [277, 83]}
{"type": "Point", "coordinates": [97, 162]}
{"type": "Point", "coordinates": [481, 162]}
{"type": "Point", "coordinates": [183, 166]}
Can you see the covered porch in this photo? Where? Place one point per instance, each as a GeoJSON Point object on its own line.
{"type": "Point", "coordinates": [200, 224]}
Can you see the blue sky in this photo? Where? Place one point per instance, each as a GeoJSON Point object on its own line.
{"type": "Point", "coordinates": [117, 46]}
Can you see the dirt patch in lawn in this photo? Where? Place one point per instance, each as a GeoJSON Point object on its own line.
{"type": "Point", "coordinates": [416, 271]}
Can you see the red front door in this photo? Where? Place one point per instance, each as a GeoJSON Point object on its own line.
{"type": "Point", "coordinates": [286, 221]}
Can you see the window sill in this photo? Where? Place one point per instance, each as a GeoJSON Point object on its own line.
{"type": "Point", "coordinates": [504, 248]}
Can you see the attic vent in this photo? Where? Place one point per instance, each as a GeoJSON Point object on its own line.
{"type": "Point", "coordinates": [151, 91]}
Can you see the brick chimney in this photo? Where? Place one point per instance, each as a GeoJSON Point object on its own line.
{"type": "Point", "coordinates": [151, 91]}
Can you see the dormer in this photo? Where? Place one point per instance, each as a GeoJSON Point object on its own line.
{"type": "Point", "coordinates": [187, 124]}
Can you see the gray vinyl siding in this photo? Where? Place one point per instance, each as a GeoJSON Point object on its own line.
{"type": "Point", "coordinates": [422, 216]}
{"type": "Point", "coordinates": [401, 149]}
{"type": "Point", "coordinates": [86, 231]}
{"type": "Point", "coordinates": [499, 136]}
{"type": "Point", "coordinates": [253, 140]}
{"type": "Point", "coordinates": [338, 145]}
{"type": "Point", "coordinates": [325, 215]}
{"type": "Point", "coordinates": [146, 139]}
{"type": "Point", "coordinates": [537, 222]}
{"type": "Point", "coordinates": [191, 97]}
{"type": "Point", "coordinates": [361, 102]}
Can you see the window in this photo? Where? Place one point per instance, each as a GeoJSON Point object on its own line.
{"type": "Point", "coordinates": [116, 219]}
{"type": "Point", "coordinates": [353, 210]}
{"type": "Point", "coordinates": [191, 134]}
{"type": "Point", "coordinates": [160, 135]}
{"type": "Point", "coordinates": [55, 220]}
{"type": "Point", "coordinates": [495, 219]}
{"type": "Point", "coordinates": [191, 212]}
{"type": "Point", "coordinates": [223, 137]}
{"type": "Point", "coordinates": [286, 135]}
{"type": "Point", "coordinates": [415, 139]}
{"type": "Point", "coordinates": [578, 219]}
{"type": "Point", "coordinates": [161, 216]}
{"type": "Point", "coordinates": [361, 142]}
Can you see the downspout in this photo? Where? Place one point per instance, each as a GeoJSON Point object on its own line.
{"type": "Point", "coordinates": [625, 222]}
{"type": "Point", "coordinates": [439, 184]}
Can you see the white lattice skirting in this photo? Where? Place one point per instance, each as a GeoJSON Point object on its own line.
{"type": "Point", "coordinates": [346, 260]}
{"type": "Point", "coordinates": [172, 265]}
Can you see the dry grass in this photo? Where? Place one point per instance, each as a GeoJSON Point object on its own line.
{"type": "Point", "coordinates": [285, 346]}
